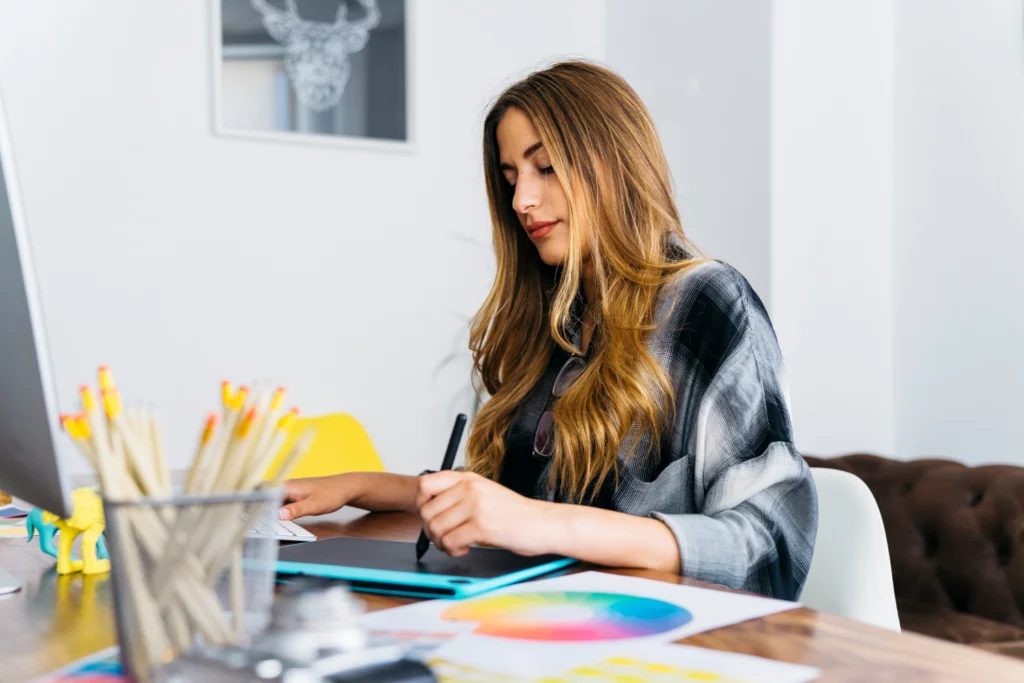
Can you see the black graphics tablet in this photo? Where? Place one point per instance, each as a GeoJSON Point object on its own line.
{"type": "Point", "coordinates": [390, 567]}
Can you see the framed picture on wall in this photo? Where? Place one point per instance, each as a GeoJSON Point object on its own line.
{"type": "Point", "coordinates": [324, 71]}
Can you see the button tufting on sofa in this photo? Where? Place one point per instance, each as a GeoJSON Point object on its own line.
{"type": "Point", "coordinates": [955, 535]}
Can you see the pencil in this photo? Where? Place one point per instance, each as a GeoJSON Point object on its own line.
{"type": "Point", "coordinates": [170, 559]}
{"type": "Point", "coordinates": [422, 543]}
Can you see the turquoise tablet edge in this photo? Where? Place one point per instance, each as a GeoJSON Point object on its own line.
{"type": "Point", "coordinates": [406, 584]}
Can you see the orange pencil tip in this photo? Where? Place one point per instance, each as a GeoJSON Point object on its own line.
{"type": "Point", "coordinates": [211, 423]}
{"type": "Point", "coordinates": [246, 425]}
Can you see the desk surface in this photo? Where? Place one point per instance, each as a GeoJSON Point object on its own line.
{"type": "Point", "coordinates": [55, 620]}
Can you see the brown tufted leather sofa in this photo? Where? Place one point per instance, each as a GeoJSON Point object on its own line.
{"type": "Point", "coordinates": [956, 544]}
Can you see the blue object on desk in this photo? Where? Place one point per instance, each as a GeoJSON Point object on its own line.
{"type": "Point", "coordinates": [390, 567]}
{"type": "Point", "coordinates": [34, 523]}
{"type": "Point", "coordinates": [11, 511]}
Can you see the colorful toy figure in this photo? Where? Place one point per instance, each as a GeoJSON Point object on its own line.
{"type": "Point", "coordinates": [34, 524]}
{"type": "Point", "coordinates": [87, 520]}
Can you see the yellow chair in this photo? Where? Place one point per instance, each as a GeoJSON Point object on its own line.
{"type": "Point", "coordinates": [340, 445]}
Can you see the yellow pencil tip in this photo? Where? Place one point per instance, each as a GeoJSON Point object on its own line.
{"type": "Point", "coordinates": [70, 426]}
{"type": "Point", "coordinates": [239, 400]}
{"type": "Point", "coordinates": [106, 379]}
{"type": "Point", "coordinates": [112, 403]}
{"type": "Point", "coordinates": [288, 421]}
{"type": "Point", "coordinates": [278, 401]}
{"type": "Point", "coordinates": [88, 399]}
{"type": "Point", "coordinates": [227, 392]}
{"type": "Point", "coordinates": [83, 427]}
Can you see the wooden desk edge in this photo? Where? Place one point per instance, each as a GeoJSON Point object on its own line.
{"type": "Point", "coordinates": [843, 649]}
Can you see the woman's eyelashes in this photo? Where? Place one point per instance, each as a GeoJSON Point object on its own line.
{"type": "Point", "coordinates": [544, 170]}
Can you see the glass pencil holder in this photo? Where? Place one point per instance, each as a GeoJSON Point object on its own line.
{"type": "Point", "coordinates": [187, 573]}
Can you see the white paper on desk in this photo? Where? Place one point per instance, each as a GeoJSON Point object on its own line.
{"type": "Point", "coordinates": [708, 609]}
{"type": "Point", "coordinates": [465, 661]}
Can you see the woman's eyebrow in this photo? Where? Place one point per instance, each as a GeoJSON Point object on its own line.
{"type": "Point", "coordinates": [505, 166]}
{"type": "Point", "coordinates": [531, 149]}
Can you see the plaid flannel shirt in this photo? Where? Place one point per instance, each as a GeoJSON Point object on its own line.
{"type": "Point", "coordinates": [725, 477]}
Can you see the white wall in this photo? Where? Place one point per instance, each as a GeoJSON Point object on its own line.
{"type": "Point", "coordinates": [901, 336]}
{"type": "Point", "coordinates": [959, 282]}
{"type": "Point", "coordinates": [181, 258]}
{"type": "Point", "coordinates": [831, 219]}
{"type": "Point", "coordinates": [703, 69]}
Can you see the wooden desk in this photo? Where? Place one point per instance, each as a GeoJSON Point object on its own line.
{"type": "Point", "coordinates": [57, 619]}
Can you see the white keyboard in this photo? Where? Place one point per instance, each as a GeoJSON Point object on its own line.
{"type": "Point", "coordinates": [280, 530]}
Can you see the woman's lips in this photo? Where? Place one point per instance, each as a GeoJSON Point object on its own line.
{"type": "Point", "coordinates": [539, 229]}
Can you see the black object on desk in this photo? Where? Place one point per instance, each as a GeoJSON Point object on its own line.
{"type": "Point", "coordinates": [388, 567]}
{"type": "Point", "coordinates": [449, 459]}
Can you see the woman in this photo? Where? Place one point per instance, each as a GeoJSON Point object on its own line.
{"type": "Point", "coordinates": [637, 414]}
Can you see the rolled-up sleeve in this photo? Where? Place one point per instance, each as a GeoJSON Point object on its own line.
{"type": "Point", "coordinates": [763, 543]}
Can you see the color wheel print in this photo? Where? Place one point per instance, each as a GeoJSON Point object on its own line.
{"type": "Point", "coordinates": [567, 616]}
{"type": "Point", "coordinates": [94, 674]}
{"type": "Point", "coordinates": [104, 669]}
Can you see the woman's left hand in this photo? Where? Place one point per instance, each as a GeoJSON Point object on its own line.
{"type": "Point", "coordinates": [460, 509]}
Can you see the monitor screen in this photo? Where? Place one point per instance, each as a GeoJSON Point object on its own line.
{"type": "Point", "coordinates": [29, 418]}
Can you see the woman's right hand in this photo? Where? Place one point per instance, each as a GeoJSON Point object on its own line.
{"type": "Point", "coordinates": [316, 496]}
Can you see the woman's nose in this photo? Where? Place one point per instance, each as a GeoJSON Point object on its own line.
{"type": "Point", "coordinates": [528, 194]}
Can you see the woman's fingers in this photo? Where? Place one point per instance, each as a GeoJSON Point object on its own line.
{"type": "Point", "coordinates": [430, 485]}
{"type": "Point", "coordinates": [296, 489]}
{"type": "Point", "coordinates": [317, 495]}
{"type": "Point", "coordinates": [457, 541]}
{"type": "Point", "coordinates": [441, 524]}
{"type": "Point", "coordinates": [300, 496]}
{"type": "Point", "coordinates": [301, 508]}
{"type": "Point", "coordinates": [435, 505]}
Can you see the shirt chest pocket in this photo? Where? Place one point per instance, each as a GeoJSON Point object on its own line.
{"type": "Point", "coordinates": [669, 492]}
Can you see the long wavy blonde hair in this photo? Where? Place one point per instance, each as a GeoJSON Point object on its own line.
{"type": "Point", "coordinates": [608, 158]}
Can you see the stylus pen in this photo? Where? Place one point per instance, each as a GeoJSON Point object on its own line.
{"type": "Point", "coordinates": [449, 459]}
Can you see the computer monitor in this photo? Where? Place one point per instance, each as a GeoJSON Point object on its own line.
{"type": "Point", "coordinates": [30, 432]}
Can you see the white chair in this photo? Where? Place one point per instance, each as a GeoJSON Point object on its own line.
{"type": "Point", "coordinates": [850, 574]}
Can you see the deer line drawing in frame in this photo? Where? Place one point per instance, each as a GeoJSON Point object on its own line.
{"type": "Point", "coordinates": [317, 60]}
{"type": "Point", "coordinates": [324, 71]}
